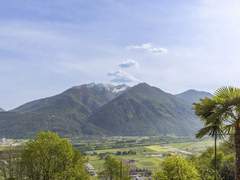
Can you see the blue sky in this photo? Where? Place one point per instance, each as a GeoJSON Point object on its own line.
{"type": "Point", "coordinates": [50, 45]}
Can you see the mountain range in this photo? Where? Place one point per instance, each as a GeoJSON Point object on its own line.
{"type": "Point", "coordinates": [106, 110]}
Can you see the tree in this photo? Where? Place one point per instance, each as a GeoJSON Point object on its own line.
{"type": "Point", "coordinates": [227, 107]}
{"type": "Point", "coordinates": [115, 169]}
{"type": "Point", "coordinates": [10, 165]}
{"type": "Point", "coordinates": [213, 123]}
{"type": "Point", "coordinates": [205, 163]}
{"type": "Point", "coordinates": [177, 168]}
{"type": "Point", "coordinates": [228, 99]}
{"type": "Point", "coordinates": [160, 176]}
{"type": "Point", "coordinates": [49, 157]}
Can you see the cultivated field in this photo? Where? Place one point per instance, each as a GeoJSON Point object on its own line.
{"type": "Point", "coordinates": [143, 152]}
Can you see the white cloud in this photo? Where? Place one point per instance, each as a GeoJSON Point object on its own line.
{"type": "Point", "coordinates": [148, 47]}
{"type": "Point", "coordinates": [122, 77]}
{"type": "Point", "coordinates": [128, 63]}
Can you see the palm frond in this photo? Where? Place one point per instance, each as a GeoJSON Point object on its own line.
{"type": "Point", "coordinates": [227, 129]}
{"type": "Point", "coordinates": [219, 113]}
{"type": "Point", "coordinates": [203, 132]}
{"type": "Point", "coordinates": [204, 108]}
{"type": "Point", "coordinates": [227, 92]}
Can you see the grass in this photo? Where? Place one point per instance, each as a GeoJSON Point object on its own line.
{"type": "Point", "coordinates": [194, 147]}
{"type": "Point", "coordinates": [96, 162]}
{"type": "Point", "coordinates": [157, 148]}
{"type": "Point", "coordinates": [113, 150]}
{"type": "Point", "coordinates": [142, 161]}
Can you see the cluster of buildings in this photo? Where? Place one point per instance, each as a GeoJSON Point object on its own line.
{"type": "Point", "coordinates": [90, 169]}
{"type": "Point", "coordinates": [135, 173]}
{"type": "Point", "coordinates": [140, 174]}
{"type": "Point", "coordinates": [9, 142]}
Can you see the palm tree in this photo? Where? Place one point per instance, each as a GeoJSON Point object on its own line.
{"type": "Point", "coordinates": [206, 110]}
{"type": "Point", "coordinates": [228, 105]}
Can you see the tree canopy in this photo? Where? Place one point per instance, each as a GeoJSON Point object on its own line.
{"type": "Point", "coordinates": [49, 157]}
{"type": "Point", "coordinates": [177, 168]}
{"type": "Point", "coordinates": [115, 169]}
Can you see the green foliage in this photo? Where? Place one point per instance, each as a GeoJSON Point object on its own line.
{"type": "Point", "coordinates": [213, 123]}
{"type": "Point", "coordinates": [9, 166]}
{"type": "Point", "coordinates": [115, 169]}
{"type": "Point", "coordinates": [204, 164]}
{"type": "Point", "coordinates": [225, 163]}
{"type": "Point", "coordinates": [177, 168]}
{"type": "Point", "coordinates": [221, 114]}
{"type": "Point", "coordinates": [160, 175]}
{"type": "Point", "coordinates": [49, 157]}
{"type": "Point", "coordinates": [213, 126]}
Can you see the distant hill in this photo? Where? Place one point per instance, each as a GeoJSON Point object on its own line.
{"type": "Point", "coordinates": [1, 110]}
{"type": "Point", "coordinates": [103, 109]}
{"type": "Point", "coordinates": [192, 96]}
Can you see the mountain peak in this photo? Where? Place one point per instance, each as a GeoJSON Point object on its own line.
{"type": "Point", "coordinates": [142, 86]}
{"type": "Point", "coordinates": [93, 85]}
{"type": "Point", "coordinates": [101, 86]}
{"type": "Point", "coordinates": [1, 110]}
{"type": "Point", "coordinates": [194, 91]}
{"type": "Point", "coordinates": [193, 95]}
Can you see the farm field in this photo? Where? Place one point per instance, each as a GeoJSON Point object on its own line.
{"type": "Point", "coordinates": [148, 156]}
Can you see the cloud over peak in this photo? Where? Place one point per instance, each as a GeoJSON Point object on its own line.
{"type": "Point", "coordinates": [122, 77]}
{"type": "Point", "coordinates": [148, 47]}
{"type": "Point", "coordinates": [128, 63]}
